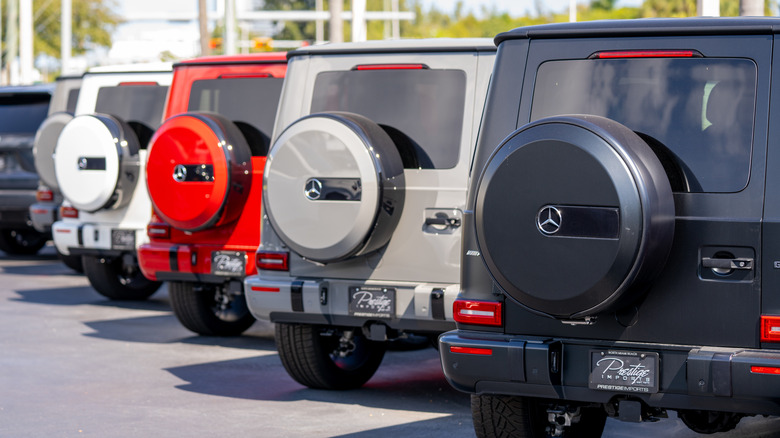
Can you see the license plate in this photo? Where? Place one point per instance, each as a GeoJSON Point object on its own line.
{"type": "Point", "coordinates": [123, 239]}
{"type": "Point", "coordinates": [372, 302]}
{"type": "Point", "coordinates": [624, 371]}
{"type": "Point", "coordinates": [228, 263]}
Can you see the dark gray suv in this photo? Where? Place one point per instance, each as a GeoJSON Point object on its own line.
{"type": "Point", "coordinates": [621, 236]}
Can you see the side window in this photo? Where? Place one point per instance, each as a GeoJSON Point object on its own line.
{"type": "Point", "coordinates": [141, 106]}
{"type": "Point", "coordinates": [73, 97]}
{"type": "Point", "coordinates": [696, 113]}
{"type": "Point", "coordinates": [421, 110]}
{"type": "Point", "coordinates": [250, 103]}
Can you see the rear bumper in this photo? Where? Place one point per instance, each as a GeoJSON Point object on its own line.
{"type": "Point", "coordinates": [418, 307]}
{"type": "Point", "coordinates": [706, 378]}
{"type": "Point", "coordinates": [96, 238]}
{"type": "Point", "coordinates": [15, 208]}
{"type": "Point", "coordinates": [189, 262]}
{"type": "Point", "coordinates": [43, 215]}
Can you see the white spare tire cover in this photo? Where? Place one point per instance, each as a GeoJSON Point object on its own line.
{"type": "Point", "coordinates": [45, 142]}
{"type": "Point", "coordinates": [333, 186]}
{"type": "Point", "coordinates": [96, 162]}
{"type": "Point", "coordinates": [574, 216]}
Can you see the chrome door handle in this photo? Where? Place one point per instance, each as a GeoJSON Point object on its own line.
{"type": "Point", "coordinates": [737, 263]}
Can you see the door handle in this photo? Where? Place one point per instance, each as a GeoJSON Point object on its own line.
{"type": "Point", "coordinates": [730, 264]}
{"type": "Point", "coordinates": [439, 220]}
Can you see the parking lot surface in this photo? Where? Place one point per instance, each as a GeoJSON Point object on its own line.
{"type": "Point", "coordinates": [73, 364]}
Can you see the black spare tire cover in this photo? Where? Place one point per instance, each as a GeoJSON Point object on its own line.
{"type": "Point", "coordinates": [45, 142]}
{"type": "Point", "coordinates": [333, 186]}
{"type": "Point", "coordinates": [574, 214]}
{"type": "Point", "coordinates": [97, 162]}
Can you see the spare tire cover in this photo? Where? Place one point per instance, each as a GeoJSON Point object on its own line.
{"type": "Point", "coordinates": [199, 171]}
{"type": "Point", "coordinates": [96, 162]}
{"type": "Point", "coordinates": [333, 186]}
{"type": "Point", "coordinates": [573, 215]}
{"type": "Point", "coordinates": [45, 142]}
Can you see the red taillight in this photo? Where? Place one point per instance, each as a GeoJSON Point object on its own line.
{"type": "Point", "coordinates": [770, 328]}
{"type": "Point", "coordinates": [158, 231]}
{"type": "Point", "coordinates": [44, 195]}
{"type": "Point", "coordinates": [477, 312]}
{"type": "Point", "coordinates": [765, 370]}
{"type": "Point", "coordinates": [265, 289]}
{"type": "Point", "coordinates": [137, 83]}
{"type": "Point", "coordinates": [245, 75]}
{"type": "Point", "coordinates": [273, 260]}
{"type": "Point", "coordinates": [69, 212]}
{"type": "Point", "coordinates": [646, 54]}
{"type": "Point", "coordinates": [365, 67]}
{"type": "Point", "coordinates": [472, 350]}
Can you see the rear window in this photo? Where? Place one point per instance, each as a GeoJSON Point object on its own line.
{"type": "Point", "coordinates": [133, 103]}
{"type": "Point", "coordinates": [247, 101]}
{"type": "Point", "coordinates": [424, 107]}
{"type": "Point", "coordinates": [695, 112]}
{"type": "Point", "coordinates": [23, 113]}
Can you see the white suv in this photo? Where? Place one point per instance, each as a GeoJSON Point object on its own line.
{"type": "Point", "coordinates": [99, 163]}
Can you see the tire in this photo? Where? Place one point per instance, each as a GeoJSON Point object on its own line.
{"type": "Point", "coordinates": [116, 279]}
{"type": "Point", "coordinates": [21, 242]}
{"type": "Point", "coordinates": [307, 351]}
{"type": "Point", "coordinates": [568, 189]}
{"type": "Point", "coordinates": [525, 417]}
{"type": "Point", "coordinates": [72, 261]}
{"type": "Point", "coordinates": [201, 309]}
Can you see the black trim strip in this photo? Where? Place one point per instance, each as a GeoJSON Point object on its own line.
{"type": "Point", "coordinates": [296, 296]}
{"type": "Point", "coordinates": [437, 304]}
{"type": "Point", "coordinates": [80, 235]}
{"type": "Point", "coordinates": [173, 257]}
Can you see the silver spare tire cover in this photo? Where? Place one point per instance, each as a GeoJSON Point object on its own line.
{"type": "Point", "coordinates": [333, 186]}
{"type": "Point", "coordinates": [96, 162]}
{"type": "Point", "coordinates": [45, 142]}
{"type": "Point", "coordinates": [574, 216]}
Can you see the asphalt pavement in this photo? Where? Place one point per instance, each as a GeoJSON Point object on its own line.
{"type": "Point", "coordinates": [73, 364]}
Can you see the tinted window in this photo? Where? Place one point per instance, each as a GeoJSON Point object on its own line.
{"type": "Point", "coordinates": [247, 101]}
{"type": "Point", "coordinates": [133, 103]}
{"type": "Point", "coordinates": [426, 106]}
{"type": "Point", "coordinates": [23, 113]}
{"type": "Point", "coordinates": [73, 97]}
{"type": "Point", "coordinates": [697, 112]}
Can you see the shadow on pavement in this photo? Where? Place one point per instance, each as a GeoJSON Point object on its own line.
{"type": "Point", "coordinates": [60, 296]}
{"type": "Point", "coordinates": [425, 428]}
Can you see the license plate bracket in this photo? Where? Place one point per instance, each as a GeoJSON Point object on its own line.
{"type": "Point", "coordinates": [228, 263]}
{"type": "Point", "coordinates": [372, 302]}
{"type": "Point", "coordinates": [123, 240]}
{"type": "Point", "coordinates": [624, 371]}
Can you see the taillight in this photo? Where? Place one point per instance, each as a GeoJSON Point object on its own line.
{"type": "Point", "coordinates": [245, 75]}
{"type": "Point", "coordinates": [646, 54]}
{"type": "Point", "coordinates": [770, 328]}
{"type": "Point", "coordinates": [273, 260]}
{"type": "Point", "coordinates": [138, 83]}
{"type": "Point", "coordinates": [472, 350]}
{"type": "Point", "coordinates": [44, 195]}
{"type": "Point", "coordinates": [765, 370]}
{"type": "Point", "coordinates": [158, 230]}
{"type": "Point", "coordinates": [365, 67]}
{"type": "Point", "coordinates": [477, 312]}
{"type": "Point", "coordinates": [69, 212]}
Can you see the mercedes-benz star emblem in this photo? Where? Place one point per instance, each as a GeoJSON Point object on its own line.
{"type": "Point", "coordinates": [313, 189]}
{"type": "Point", "coordinates": [179, 173]}
{"type": "Point", "coordinates": [548, 220]}
{"type": "Point", "coordinates": [82, 163]}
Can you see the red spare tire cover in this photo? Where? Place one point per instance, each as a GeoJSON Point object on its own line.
{"type": "Point", "coordinates": [199, 171]}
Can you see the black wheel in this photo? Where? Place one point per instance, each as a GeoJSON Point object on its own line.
{"type": "Point", "coordinates": [21, 242]}
{"type": "Point", "coordinates": [326, 357]}
{"type": "Point", "coordinates": [512, 416]}
{"type": "Point", "coordinates": [210, 310]}
{"type": "Point", "coordinates": [71, 261]}
{"type": "Point", "coordinates": [118, 278]}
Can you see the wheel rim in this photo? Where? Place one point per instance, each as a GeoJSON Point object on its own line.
{"type": "Point", "coordinates": [25, 239]}
{"type": "Point", "coordinates": [229, 307]}
{"type": "Point", "coordinates": [348, 350]}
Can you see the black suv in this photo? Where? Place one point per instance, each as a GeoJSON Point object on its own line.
{"type": "Point", "coordinates": [622, 233]}
{"type": "Point", "coordinates": [22, 109]}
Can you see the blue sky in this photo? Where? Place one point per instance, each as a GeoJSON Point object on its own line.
{"type": "Point", "coordinates": [515, 7]}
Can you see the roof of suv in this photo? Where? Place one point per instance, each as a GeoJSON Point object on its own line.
{"type": "Point", "coordinates": [252, 58]}
{"type": "Point", "coordinates": [133, 68]}
{"type": "Point", "coordinates": [19, 89]}
{"type": "Point", "coordinates": [647, 26]}
{"type": "Point", "coordinates": [400, 46]}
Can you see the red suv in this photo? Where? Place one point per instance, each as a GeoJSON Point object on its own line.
{"type": "Point", "coordinates": [205, 174]}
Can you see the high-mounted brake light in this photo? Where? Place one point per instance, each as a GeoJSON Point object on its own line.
{"type": "Point", "coordinates": [471, 350]}
{"type": "Point", "coordinates": [137, 83]}
{"type": "Point", "coordinates": [770, 328]}
{"type": "Point", "coordinates": [245, 75]}
{"type": "Point", "coordinates": [765, 370]}
{"type": "Point", "coordinates": [44, 195]}
{"type": "Point", "coordinates": [477, 312]}
{"type": "Point", "coordinates": [365, 67]}
{"type": "Point", "coordinates": [273, 260]}
{"type": "Point", "coordinates": [646, 54]}
{"type": "Point", "coordinates": [69, 212]}
{"type": "Point", "coordinates": [158, 230]}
